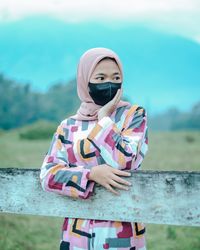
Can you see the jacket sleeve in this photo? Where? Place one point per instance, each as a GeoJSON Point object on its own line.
{"type": "Point", "coordinates": [125, 148]}
{"type": "Point", "coordinates": [57, 175]}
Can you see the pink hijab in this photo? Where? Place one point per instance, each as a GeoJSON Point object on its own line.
{"type": "Point", "coordinates": [88, 110]}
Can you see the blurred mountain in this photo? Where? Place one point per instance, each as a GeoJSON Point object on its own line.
{"type": "Point", "coordinates": [160, 70]}
{"type": "Point", "coordinates": [20, 105]}
{"type": "Point", "coordinates": [173, 119]}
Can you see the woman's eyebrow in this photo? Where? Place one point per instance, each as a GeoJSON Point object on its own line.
{"type": "Point", "coordinates": [102, 74]}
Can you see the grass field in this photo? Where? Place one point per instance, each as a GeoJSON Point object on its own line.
{"type": "Point", "coordinates": [167, 151]}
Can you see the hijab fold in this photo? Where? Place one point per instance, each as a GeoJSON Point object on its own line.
{"type": "Point", "coordinates": [88, 110]}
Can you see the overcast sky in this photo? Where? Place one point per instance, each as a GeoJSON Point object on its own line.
{"type": "Point", "coordinates": [181, 17]}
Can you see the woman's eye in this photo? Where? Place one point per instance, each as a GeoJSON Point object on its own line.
{"type": "Point", "coordinates": [100, 78]}
{"type": "Point", "coordinates": [117, 78]}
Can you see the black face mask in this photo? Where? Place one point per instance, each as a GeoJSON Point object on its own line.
{"type": "Point", "coordinates": [102, 93]}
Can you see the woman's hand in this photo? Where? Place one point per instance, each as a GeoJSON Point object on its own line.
{"type": "Point", "coordinates": [108, 176]}
{"type": "Point", "coordinates": [109, 107]}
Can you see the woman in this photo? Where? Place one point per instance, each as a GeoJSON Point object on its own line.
{"type": "Point", "coordinates": [96, 145]}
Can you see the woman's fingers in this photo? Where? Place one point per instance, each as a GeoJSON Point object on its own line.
{"type": "Point", "coordinates": [112, 189]}
{"type": "Point", "coordinates": [120, 172]}
{"type": "Point", "coordinates": [108, 177]}
{"type": "Point", "coordinates": [120, 180]}
{"type": "Point", "coordinates": [115, 99]}
{"type": "Point", "coordinates": [117, 96]}
{"type": "Point", "coordinates": [111, 105]}
{"type": "Point", "coordinates": [117, 185]}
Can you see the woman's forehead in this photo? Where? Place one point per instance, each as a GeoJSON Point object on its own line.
{"type": "Point", "coordinates": [106, 66]}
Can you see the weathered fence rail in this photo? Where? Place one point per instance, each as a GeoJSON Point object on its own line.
{"type": "Point", "coordinates": [167, 197]}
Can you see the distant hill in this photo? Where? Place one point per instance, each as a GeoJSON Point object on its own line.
{"type": "Point", "coordinates": [173, 119]}
{"type": "Point", "coordinates": [20, 105]}
{"type": "Point", "coordinates": [161, 70]}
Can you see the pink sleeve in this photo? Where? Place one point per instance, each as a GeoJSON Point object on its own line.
{"type": "Point", "coordinates": [57, 176]}
{"type": "Point", "coordinates": [125, 148]}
